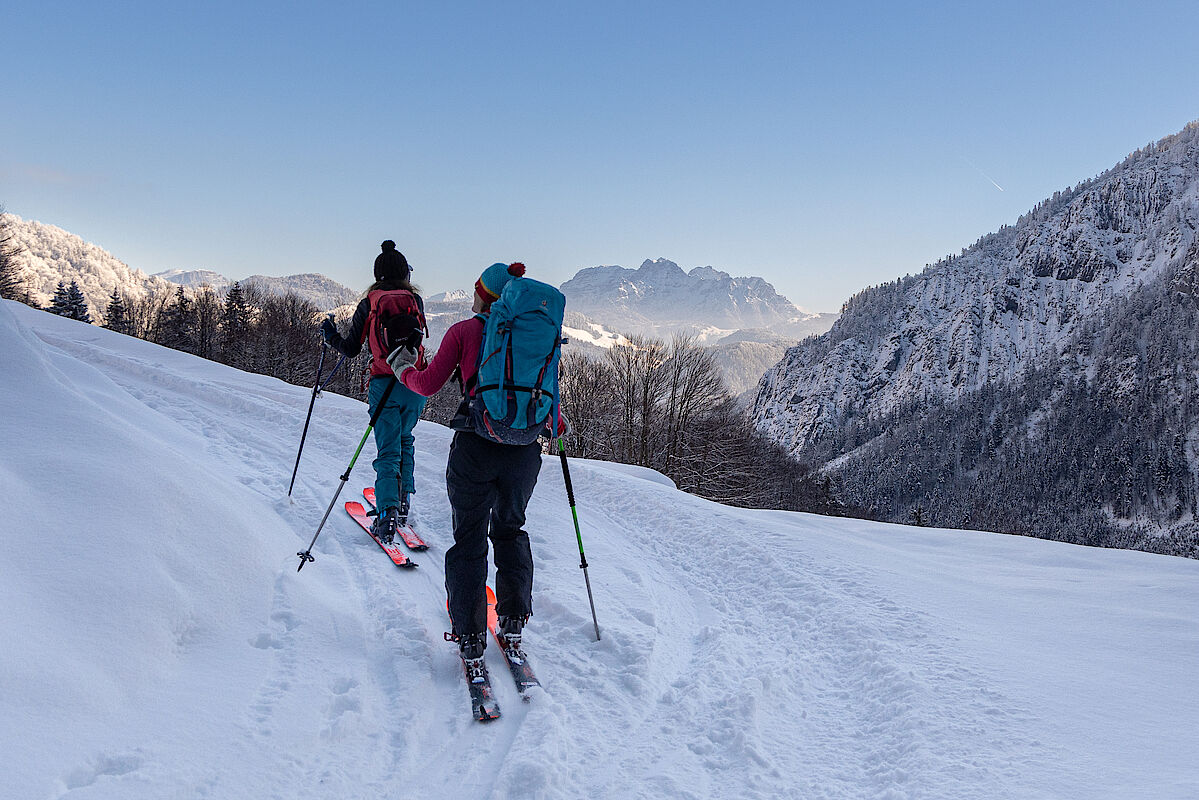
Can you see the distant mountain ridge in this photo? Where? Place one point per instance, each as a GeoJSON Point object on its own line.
{"type": "Point", "coordinates": [325, 293]}
{"type": "Point", "coordinates": [746, 321]}
{"type": "Point", "coordinates": [660, 298]}
{"type": "Point", "coordinates": [48, 254]}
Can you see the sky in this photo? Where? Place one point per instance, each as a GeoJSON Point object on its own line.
{"type": "Point", "coordinates": [824, 147]}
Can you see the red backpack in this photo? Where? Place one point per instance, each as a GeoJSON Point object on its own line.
{"type": "Point", "coordinates": [396, 320]}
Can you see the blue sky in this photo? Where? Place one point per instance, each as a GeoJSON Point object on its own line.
{"type": "Point", "coordinates": [824, 148]}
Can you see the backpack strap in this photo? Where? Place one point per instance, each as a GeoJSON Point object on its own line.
{"type": "Point", "coordinates": [469, 386]}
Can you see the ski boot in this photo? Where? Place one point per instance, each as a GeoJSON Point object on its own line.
{"type": "Point", "coordinates": [509, 630]}
{"type": "Point", "coordinates": [403, 510]}
{"type": "Point", "coordinates": [386, 526]}
{"type": "Point", "coordinates": [470, 648]}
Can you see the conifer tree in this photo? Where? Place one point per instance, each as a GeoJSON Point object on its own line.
{"type": "Point", "coordinates": [76, 304]}
{"type": "Point", "coordinates": [60, 302]}
{"type": "Point", "coordinates": [116, 316]}
{"type": "Point", "coordinates": [235, 326]}
{"type": "Point", "coordinates": [178, 324]}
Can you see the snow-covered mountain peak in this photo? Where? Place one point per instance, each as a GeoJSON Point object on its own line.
{"type": "Point", "coordinates": [709, 274]}
{"type": "Point", "coordinates": [659, 298]}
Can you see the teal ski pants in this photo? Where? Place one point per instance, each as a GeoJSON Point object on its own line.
{"type": "Point", "coordinates": [394, 440]}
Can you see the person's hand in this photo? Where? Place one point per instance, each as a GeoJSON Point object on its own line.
{"type": "Point", "coordinates": [564, 426]}
{"type": "Point", "coordinates": [402, 358]}
{"type": "Point", "coordinates": [328, 329]}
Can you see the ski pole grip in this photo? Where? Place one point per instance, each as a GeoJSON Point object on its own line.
{"type": "Point", "coordinates": [570, 489]}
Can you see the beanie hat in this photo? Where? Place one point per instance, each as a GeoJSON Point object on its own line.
{"type": "Point", "coordinates": [491, 283]}
{"type": "Point", "coordinates": [390, 265]}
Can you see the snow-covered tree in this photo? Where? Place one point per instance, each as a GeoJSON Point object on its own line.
{"type": "Point", "coordinates": [116, 316]}
{"type": "Point", "coordinates": [11, 285]}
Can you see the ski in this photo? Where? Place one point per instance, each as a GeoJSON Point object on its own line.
{"type": "Point", "coordinates": [409, 536]}
{"type": "Point", "coordinates": [518, 663]}
{"type": "Point", "coordinates": [482, 700]}
{"type": "Point", "coordinates": [355, 510]}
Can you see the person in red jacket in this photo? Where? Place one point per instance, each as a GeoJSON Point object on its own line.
{"type": "Point", "coordinates": [393, 431]}
{"type": "Point", "coordinates": [489, 486]}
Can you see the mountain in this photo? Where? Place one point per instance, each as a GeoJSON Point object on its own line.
{"type": "Point", "coordinates": [48, 255]}
{"type": "Point", "coordinates": [195, 278]}
{"type": "Point", "coordinates": [456, 296]}
{"type": "Point", "coordinates": [324, 293]}
{"type": "Point", "coordinates": [659, 299]}
{"type": "Point", "coordinates": [744, 320]}
{"type": "Point", "coordinates": [169, 648]}
{"type": "Point", "coordinates": [1038, 361]}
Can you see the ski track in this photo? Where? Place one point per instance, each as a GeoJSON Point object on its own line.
{"type": "Point", "coordinates": [809, 683]}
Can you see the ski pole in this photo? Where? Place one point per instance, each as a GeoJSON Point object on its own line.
{"type": "Point", "coordinates": [325, 382]}
{"type": "Point", "coordinates": [570, 495]}
{"type": "Point", "coordinates": [316, 387]}
{"type": "Point", "coordinates": [306, 555]}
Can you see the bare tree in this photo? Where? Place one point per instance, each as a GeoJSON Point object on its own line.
{"type": "Point", "coordinates": [11, 285]}
{"type": "Point", "coordinates": [693, 387]}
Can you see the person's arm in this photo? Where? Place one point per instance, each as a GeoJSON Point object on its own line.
{"type": "Point", "coordinates": [428, 381]}
{"type": "Point", "coordinates": [351, 345]}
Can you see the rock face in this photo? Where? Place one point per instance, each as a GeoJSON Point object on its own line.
{"type": "Point", "coordinates": [1052, 362]}
{"type": "Point", "coordinates": [659, 299]}
{"type": "Point", "coordinates": [1015, 299]}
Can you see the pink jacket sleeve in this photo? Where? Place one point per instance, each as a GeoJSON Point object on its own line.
{"type": "Point", "coordinates": [428, 381]}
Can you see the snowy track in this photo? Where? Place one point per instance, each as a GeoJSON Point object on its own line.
{"type": "Point", "coordinates": [744, 654]}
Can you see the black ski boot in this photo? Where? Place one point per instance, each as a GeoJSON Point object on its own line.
{"type": "Point", "coordinates": [403, 512]}
{"type": "Point", "coordinates": [386, 526]}
{"type": "Point", "coordinates": [470, 648]}
{"type": "Point", "coordinates": [509, 630]}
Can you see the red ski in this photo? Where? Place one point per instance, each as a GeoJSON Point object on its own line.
{"type": "Point", "coordinates": [518, 662]}
{"type": "Point", "coordinates": [355, 510]}
{"type": "Point", "coordinates": [409, 536]}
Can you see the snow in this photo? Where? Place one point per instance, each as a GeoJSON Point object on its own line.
{"type": "Point", "coordinates": [597, 335]}
{"type": "Point", "coordinates": [160, 642]}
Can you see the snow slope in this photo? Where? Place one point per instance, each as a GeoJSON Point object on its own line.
{"type": "Point", "coordinates": [160, 643]}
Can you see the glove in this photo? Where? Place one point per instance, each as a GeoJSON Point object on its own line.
{"type": "Point", "coordinates": [328, 329]}
{"type": "Point", "coordinates": [564, 426]}
{"type": "Point", "coordinates": [401, 359]}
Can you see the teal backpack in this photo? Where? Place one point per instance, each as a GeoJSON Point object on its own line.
{"type": "Point", "coordinates": [515, 396]}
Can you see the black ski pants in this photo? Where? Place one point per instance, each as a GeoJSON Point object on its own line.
{"type": "Point", "coordinates": [489, 485]}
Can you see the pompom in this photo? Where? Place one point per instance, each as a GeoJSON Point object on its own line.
{"type": "Point", "coordinates": [516, 268]}
{"type": "Point", "coordinates": [388, 245]}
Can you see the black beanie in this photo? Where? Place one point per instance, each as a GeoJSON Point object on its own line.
{"type": "Point", "coordinates": [390, 265]}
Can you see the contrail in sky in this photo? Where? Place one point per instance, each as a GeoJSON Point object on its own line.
{"type": "Point", "coordinates": [980, 172]}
